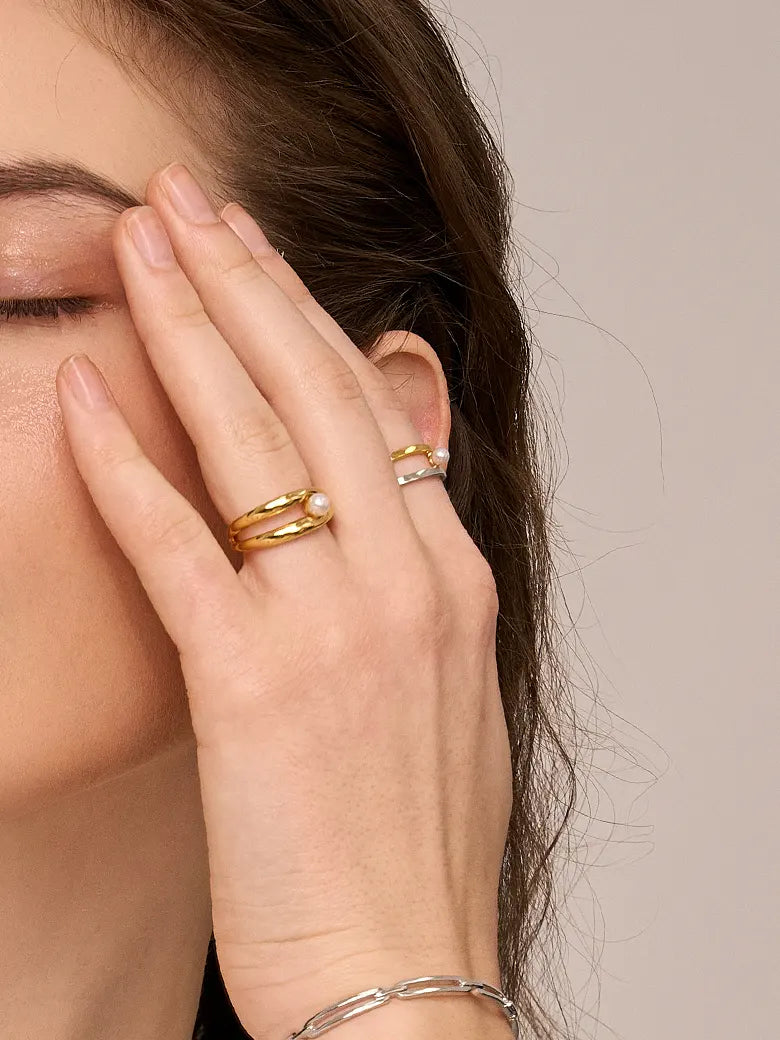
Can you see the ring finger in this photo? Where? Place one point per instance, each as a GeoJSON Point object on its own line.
{"type": "Point", "coordinates": [428, 503]}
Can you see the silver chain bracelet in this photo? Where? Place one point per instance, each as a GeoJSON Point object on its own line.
{"type": "Point", "coordinates": [371, 998]}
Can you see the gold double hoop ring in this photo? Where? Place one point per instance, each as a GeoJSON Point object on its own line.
{"type": "Point", "coordinates": [317, 505]}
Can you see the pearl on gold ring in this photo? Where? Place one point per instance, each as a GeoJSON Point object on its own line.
{"type": "Point", "coordinates": [440, 457]}
{"type": "Point", "coordinates": [318, 504]}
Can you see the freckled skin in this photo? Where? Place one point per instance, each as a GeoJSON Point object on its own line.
{"type": "Point", "coordinates": [105, 889]}
{"type": "Point", "coordinates": [105, 899]}
{"type": "Point", "coordinates": [48, 246]}
{"type": "Point", "coordinates": [89, 681]}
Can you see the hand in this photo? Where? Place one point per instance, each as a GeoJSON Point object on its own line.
{"type": "Point", "coordinates": [352, 749]}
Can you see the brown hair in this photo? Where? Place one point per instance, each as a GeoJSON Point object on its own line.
{"type": "Point", "coordinates": [347, 129]}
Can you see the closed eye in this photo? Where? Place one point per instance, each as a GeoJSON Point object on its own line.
{"type": "Point", "coordinates": [44, 307]}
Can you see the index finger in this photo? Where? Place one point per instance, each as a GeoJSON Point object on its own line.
{"type": "Point", "coordinates": [190, 581]}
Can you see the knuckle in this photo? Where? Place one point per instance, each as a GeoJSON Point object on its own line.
{"type": "Point", "coordinates": [244, 271]}
{"type": "Point", "coordinates": [257, 434]}
{"type": "Point", "coordinates": [422, 603]}
{"type": "Point", "coordinates": [482, 583]}
{"type": "Point", "coordinates": [172, 531]}
{"type": "Point", "coordinates": [114, 455]}
{"type": "Point", "coordinates": [335, 642]}
{"type": "Point", "coordinates": [431, 614]}
{"type": "Point", "coordinates": [189, 315]}
{"type": "Point", "coordinates": [334, 377]}
{"type": "Point", "coordinates": [302, 297]}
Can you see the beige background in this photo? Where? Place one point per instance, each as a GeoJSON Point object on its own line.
{"type": "Point", "coordinates": [644, 143]}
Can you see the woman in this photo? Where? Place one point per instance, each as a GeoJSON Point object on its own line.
{"type": "Point", "coordinates": [324, 764]}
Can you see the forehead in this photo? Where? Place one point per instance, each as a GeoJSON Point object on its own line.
{"type": "Point", "coordinates": [61, 97]}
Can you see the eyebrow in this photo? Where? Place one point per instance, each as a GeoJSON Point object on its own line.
{"type": "Point", "coordinates": [51, 177]}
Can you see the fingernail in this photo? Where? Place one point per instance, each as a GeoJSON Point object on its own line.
{"type": "Point", "coordinates": [186, 195]}
{"type": "Point", "coordinates": [247, 229]}
{"type": "Point", "coordinates": [86, 383]}
{"type": "Point", "coordinates": [150, 238]}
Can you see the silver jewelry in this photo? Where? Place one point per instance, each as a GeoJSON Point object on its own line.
{"type": "Point", "coordinates": [437, 462]}
{"type": "Point", "coordinates": [421, 474]}
{"type": "Point", "coordinates": [406, 990]}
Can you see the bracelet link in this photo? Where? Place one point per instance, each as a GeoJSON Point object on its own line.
{"type": "Point", "coordinates": [365, 1001]}
{"type": "Point", "coordinates": [448, 984]}
{"type": "Point", "coordinates": [406, 990]}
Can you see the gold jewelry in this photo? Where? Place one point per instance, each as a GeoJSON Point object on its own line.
{"type": "Point", "coordinates": [315, 503]}
{"type": "Point", "coordinates": [437, 457]}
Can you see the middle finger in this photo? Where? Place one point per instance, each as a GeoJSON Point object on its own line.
{"type": "Point", "coordinates": [310, 386]}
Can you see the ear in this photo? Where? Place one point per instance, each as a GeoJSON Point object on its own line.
{"type": "Point", "coordinates": [412, 367]}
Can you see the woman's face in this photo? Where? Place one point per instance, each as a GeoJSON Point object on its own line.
{"type": "Point", "coordinates": [89, 679]}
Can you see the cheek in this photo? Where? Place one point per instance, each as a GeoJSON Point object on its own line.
{"type": "Point", "coordinates": [90, 683]}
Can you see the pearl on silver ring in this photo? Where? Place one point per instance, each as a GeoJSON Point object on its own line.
{"type": "Point", "coordinates": [318, 504]}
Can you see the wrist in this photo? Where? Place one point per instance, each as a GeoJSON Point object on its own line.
{"type": "Point", "coordinates": [278, 1012]}
{"type": "Point", "coordinates": [437, 1016]}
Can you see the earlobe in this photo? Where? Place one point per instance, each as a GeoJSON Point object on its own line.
{"type": "Point", "coordinates": [413, 369]}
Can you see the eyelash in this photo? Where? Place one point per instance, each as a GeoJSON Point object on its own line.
{"type": "Point", "coordinates": [44, 307]}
